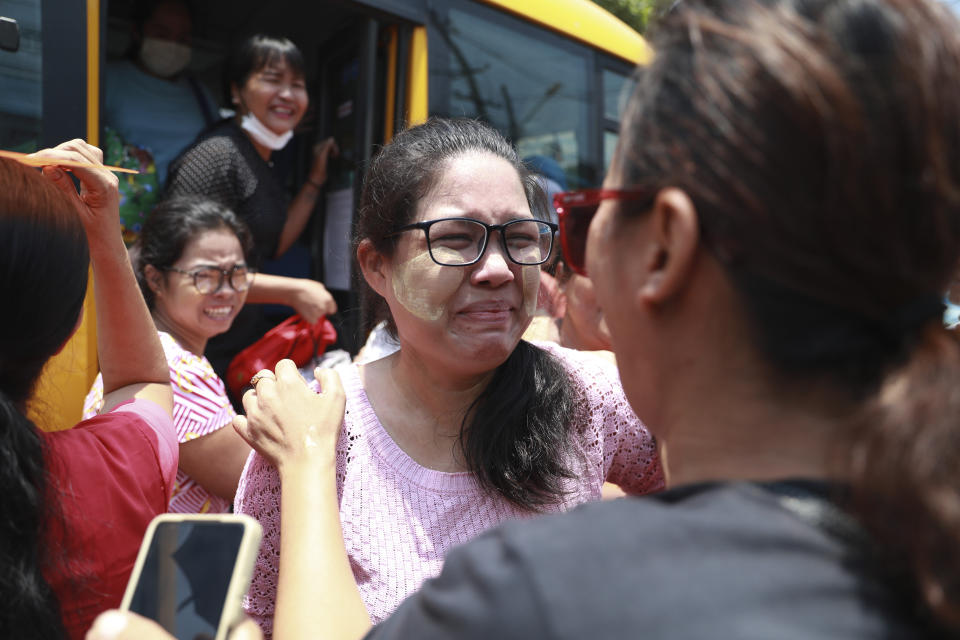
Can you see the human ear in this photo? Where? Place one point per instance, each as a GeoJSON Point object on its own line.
{"type": "Point", "coordinates": [154, 279]}
{"type": "Point", "coordinates": [372, 265]}
{"type": "Point", "coordinates": [675, 238]}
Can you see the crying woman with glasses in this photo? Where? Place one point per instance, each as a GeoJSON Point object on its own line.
{"type": "Point", "coordinates": [191, 265]}
{"type": "Point", "coordinates": [466, 426]}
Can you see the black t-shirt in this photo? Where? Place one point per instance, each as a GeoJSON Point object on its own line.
{"type": "Point", "coordinates": [223, 165]}
{"type": "Point", "coordinates": [708, 561]}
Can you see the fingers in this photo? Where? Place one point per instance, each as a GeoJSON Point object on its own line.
{"type": "Point", "coordinates": [329, 381]}
{"type": "Point", "coordinates": [98, 186]}
{"type": "Point", "coordinates": [117, 625]}
{"type": "Point", "coordinates": [242, 427]}
{"type": "Point", "coordinates": [246, 630]}
{"type": "Point", "coordinates": [288, 374]}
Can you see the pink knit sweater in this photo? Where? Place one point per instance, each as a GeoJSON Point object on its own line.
{"type": "Point", "coordinates": [400, 519]}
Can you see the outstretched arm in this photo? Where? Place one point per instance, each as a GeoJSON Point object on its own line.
{"type": "Point", "coordinates": [131, 357]}
{"type": "Point", "coordinates": [298, 213]}
{"type": "Point", "coordinates": [308, 297]}
{"type": "Point", "coordinates": [296, 430]}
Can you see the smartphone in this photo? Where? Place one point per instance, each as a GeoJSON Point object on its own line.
{"type": "Point", "coordinates": [192, 571]}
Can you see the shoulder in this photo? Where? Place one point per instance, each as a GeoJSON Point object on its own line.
{"type": "Point", "coordinates": [582, 365]}
{"type": "Point", "coordinates": [131, 436]}
{"type": "Point", "coordinates": [186, 364]}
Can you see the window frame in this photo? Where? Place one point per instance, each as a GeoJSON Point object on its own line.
{"type": "Point", "coordinates": [591, 156]}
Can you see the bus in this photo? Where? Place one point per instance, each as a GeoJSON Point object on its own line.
{"type": "Point", "coordinates": [550, 74]}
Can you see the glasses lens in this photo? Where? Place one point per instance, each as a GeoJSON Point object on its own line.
{"type": "Point", "coordinates": [240, 278]}
{"type": "Point", "coordinates": [574, 223]}
{"type": "Point", "coordinates": [207, 280]}
{"type": "Point", "coordinates": [528, 241]}
{"type": "Point", "coordinates": [456, 242]}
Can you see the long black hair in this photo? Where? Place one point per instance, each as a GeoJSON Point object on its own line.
{"type": "Point", "coordinates": [515, 435]}
{"type": "Point", "coordinates": [820, 143]}
{"type": "Point", "coordinates": [43, 279]}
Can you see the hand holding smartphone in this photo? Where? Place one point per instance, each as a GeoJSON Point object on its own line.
{"type": "Point", "coordinates": [192, 571]}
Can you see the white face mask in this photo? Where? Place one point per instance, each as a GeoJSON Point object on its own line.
{"type": "Point", "coordinates": [260, 133]}
{"type": "Point", "coordinates": [164, 58]}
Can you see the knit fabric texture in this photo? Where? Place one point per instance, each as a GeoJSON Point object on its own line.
{"type": "Point", "coordinates": [223, 165]}
{"type": "Point", "coordinates": [400, 519]}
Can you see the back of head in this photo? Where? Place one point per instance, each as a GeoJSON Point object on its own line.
{"type": "Point", "coordinates": [820, 143]}
{"type": "Point", "coordinates": [43, 275]}
{"type": "Point", "coordinates": [43, 279]}
{"type": "Point", "coordinates": [172, 225]}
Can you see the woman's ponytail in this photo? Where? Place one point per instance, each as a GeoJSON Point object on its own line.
{"type": "Point", "coordinates": [30, 607]}
{"type": "Point", "coordinates": [903, 462]}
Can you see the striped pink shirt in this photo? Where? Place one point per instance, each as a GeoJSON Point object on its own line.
{"type": "Point", "coordinates": [200, 407]}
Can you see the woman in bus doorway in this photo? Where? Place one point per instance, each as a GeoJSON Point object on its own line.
{"type": "Point", "coordinates": [231, 164]}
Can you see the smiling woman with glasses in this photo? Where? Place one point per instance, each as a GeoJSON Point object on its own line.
{"type": "Point", "coordinates": [466, 425]}
{"type": "Point", "coordinates": [191, 264]}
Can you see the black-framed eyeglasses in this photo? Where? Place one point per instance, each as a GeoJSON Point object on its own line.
{"type": "Point", "coordinates": [460, 242]}
{"type": "Point", "coordinates": [210, 279]}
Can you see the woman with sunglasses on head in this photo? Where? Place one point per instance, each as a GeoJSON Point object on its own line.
{"type": "Point", "coordinates": [466, 425]}
{"type": "Point", "coordinates": [232, 164]}
{"type": "Point", "coordinates": [191, 265]}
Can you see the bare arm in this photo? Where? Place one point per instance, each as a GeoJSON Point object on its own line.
{"type": "Point", "coordinates": [296, 430]}
{"type": "Point", "coordinates": [309, 297]}
{"type": "Point", "coordinates": [131, 357]}
{"type": "Point", "coordinates": [298, 213]}
{"type": "Point", "coordinates": [216, 461]}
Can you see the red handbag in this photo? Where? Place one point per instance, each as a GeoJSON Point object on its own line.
{"type": "Point", "coordinates": [293, 338]}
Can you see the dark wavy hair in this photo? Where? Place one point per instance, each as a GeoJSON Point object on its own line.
{"type": "Point", "coordinates": [820, 143]}
{"type": "Point", "coordinates": [171, 225]}
{"type": "Point", "coordinates": [516, 433]}
{"type": "Point", "coordinates": [44, 263]}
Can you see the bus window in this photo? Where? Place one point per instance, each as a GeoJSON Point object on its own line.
{"type": "Point", "coordinates": [529, 83]}
{"type": "Point", "coordinates": [616, 91]}
{"type": "Point", "coordinates": [20, 76]}
{"type": "Point", "coordinates": [616, 87]}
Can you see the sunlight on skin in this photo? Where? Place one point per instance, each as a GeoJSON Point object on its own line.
{"type": "Point", "coordinates": [420, 283]}
{"type": "Point", "coordinates": [531, 287]}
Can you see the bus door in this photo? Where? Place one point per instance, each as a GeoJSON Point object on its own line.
{"type": "Point", "coordinates": [360, 84]}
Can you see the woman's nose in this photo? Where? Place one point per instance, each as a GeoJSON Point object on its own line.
{"type": "Point", "coordinates": [494, 265]}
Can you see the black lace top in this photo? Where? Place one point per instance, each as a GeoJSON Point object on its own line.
{"type": "Point", "coordinates": [224, 165]}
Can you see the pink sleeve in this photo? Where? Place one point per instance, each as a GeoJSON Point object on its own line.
{"type": "Point", "coordinates": [159, 421]}
{"type": "Point", "coordinates": [200, 402]}
{"type": "Point", "coordinates": [627, 451]}
{"type": "Point", "coordinates": [258, 496]}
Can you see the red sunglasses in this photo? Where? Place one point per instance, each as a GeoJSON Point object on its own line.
{"type": "Point", "coordinates": [575, 210]}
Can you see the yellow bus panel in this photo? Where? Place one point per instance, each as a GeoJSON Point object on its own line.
{"type": "Point", "coordinates": [583, 21]}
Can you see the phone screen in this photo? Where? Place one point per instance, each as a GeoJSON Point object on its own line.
{"type": "Point", "coordinates": [186, 575]}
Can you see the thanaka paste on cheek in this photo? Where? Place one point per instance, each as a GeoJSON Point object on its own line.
{"type": "Point", "coordinates": [530, 277]}
{"type": "Point", "coordinates": [422, 286]}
